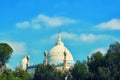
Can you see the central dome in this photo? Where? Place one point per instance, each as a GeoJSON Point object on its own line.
{"type": "Point", "coordinates": [56, 54]}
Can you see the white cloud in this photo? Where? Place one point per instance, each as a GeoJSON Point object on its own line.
{"type": "Point", "coordinates": [102, 50]}
{"type": "Point", "coordinates": [66, 35]}
{"type": "Point", "coordinates": [69, 35]}
{"type": "Point", "coordinates": [47, 21]}
{"type": "Point", "coordinates": [36, 26]}
{"type": "Point", "coordinates": [18, 47]}
{"type": "Point", "coordinates": [71, 38]}
{"type": "Point", "coordinates": [88, 37]}
{"type": "Point", "coordinates": [113, 24]}
{"type": "Point", "coordinates": [54, 21]}
{"type": "Point", "coordinates": [83, 37]}
{"type": "Point", "coordinates": [94, 37]}
{"type": "Point", "coordinates": [24, 24]}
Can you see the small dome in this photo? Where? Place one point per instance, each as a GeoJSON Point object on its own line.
{"type": "Point", "coordinates": [56, 54]}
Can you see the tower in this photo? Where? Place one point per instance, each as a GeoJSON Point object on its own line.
{"type": "Point", "coordinates": [45, 58]}
{"type": "Point", "coordinates": [88, 58]}
{"type": "Point", "coordinates": [24, 63]}
{"type": "Point", "coordinates": [64, 61]}
{"type": "Point", "coordinates": [28, 60]}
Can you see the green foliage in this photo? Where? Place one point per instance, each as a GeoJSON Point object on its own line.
{"type": "Point", "coordinates": [22, 75]}
{"type": "Point", "coordinates": [113, 60]}
{"type": "Point", "coordinates": [8, 74]}
{"type": "Point", "coordinates": [80, 71]}
{"type": "Point", "coordinates": [103, 74]}
{"type": "Point", "coordinates": [5, 53]}
{"type": "Point", "coordinates": [97, 60]}
{"type": "Point", "coordinates": [48, 72]}
{"type": "Point", "coordinates": [106, 67]}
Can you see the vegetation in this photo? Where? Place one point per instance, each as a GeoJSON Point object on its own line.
{"type": "Point", "coordinates": [80, 71]}
{"type": "Point", "coordinates": [100, 67]}
{"type": "Point", "coordinates": [47, 72]}
{"type": "Point", "coordinates": [6, 73]}
{"type": "Point", "coordinates": [106, 67]}
{"type": "Point", "coordinates": [9, 74]}
{"type": "Point", "coordinates": [5, 53]}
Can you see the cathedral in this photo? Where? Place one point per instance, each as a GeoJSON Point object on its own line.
{"type": "Point", "coordinates": [59, 56]}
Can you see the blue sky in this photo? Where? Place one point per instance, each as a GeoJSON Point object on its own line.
{"type": "Point", "coordinates": [31, 26]}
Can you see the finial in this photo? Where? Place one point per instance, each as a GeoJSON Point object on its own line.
{"type": "Point", "coordinates": [59, 41]}
{"type": "Point", "coordinates": [59, 37]}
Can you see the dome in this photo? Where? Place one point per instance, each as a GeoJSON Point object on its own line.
{"type": "Point", "coordinates": [56, 54]}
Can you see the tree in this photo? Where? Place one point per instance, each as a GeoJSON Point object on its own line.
{"type": "Point", "coordinates": [113, 60]}
{"type": "Point", "coordinates": [97, 60]}
{"type": "Point", "coordinates": [98, 68]}
{"type": "Point", "coordinates": [106, 67]}
{"type": "Point", "coordinates": [80, 71]}
{"type": "Point", "coordinates": [5, 53]}
{"type": "Point", "coordinates": [22, 75]}
{"type": "Point", "coordinates": [9, 74]}
{"type": "Point", "coordinates": [47, 72]}
{"type": "Point", "coordinates": [103, 74]}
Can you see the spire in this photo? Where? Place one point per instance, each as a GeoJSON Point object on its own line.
{"type": "Point", "coordinates": [59, 37]}
{"type": "Point", "coordinates": [59, 41]}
